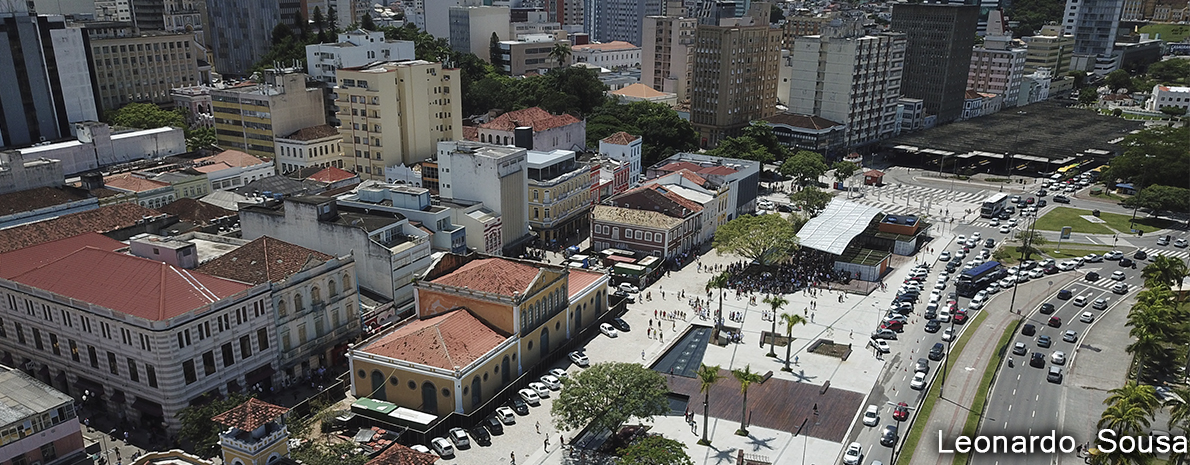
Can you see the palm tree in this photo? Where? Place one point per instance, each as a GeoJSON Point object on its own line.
{"type": "Point", "coordinates": [707, 377]}
{"type": "Point", "coordinates": [1179, 408]}
{"type": "Point", "coordinates": [1124, 418]}
{"type": "Point", "coordinates": [776, 302]}
{"type": "Point", "coordinates": [1165, 270]}
{"type": "Point", "coordinates": [1146, 347]}
{"type": "Point", "coordinates": [560, 52]}
{"type": "Point", "coordinates": [746, 377]}
{"type": "Point", "coordinates": [1134, 394]}
{"type": "Point", "coordinates": [720, 282]}
{"type": "Point", "coordinates": [790, 320]}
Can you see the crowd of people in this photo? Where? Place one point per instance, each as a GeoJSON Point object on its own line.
{"type": "Point", "coordinates": [806, 268]}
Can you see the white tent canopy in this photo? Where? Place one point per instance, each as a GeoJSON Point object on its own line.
{"type": "Point", "coordinates": [833, 229]}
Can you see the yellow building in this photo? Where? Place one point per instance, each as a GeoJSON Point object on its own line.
{"type": "Point", "coordinates": [248, 116]}
{"type": "Point", "coordinates": [481, 322]}
{"type": "Point", "coordinates": [255, 434]}
{"type": "Point", "coordinates": [394, 113]}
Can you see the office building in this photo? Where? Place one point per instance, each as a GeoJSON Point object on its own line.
{"type": "Point", "coordinates": [809, 132]}
{"type": "Point", "coordinates": [49, 62]}
{"type": "Point", "coordinates": [610, 55]}
{"type": "Point", "coordinates": [848, 76]}
{"type": "Point", "coordinates": [41, 423]}
{"type": "Point", "coordinates": [996, 68]}
{"type": "Point", "coordinates": [249, 116]}
{"type": "Point", "coordinates": [393, 113]}
{"type": "Point", "coordinates": [734, 74]}
{"type": "Point", "coordinates": [559, 197]}
{"type": "Point", "coordinates": [565, 12]}
{"type": "Point", "coordinates": [416, 204]}
{"type": "Point", "coordinates": [1050, 48]}
{"type": "Point", "coordinates": [354, 49]}
{"type": "Point", "coordinates": [528, 53]}
{"type": "Point", "coordinates": [143, 68]}
{"type": "Point", "coordinates": [113, 10]}
{"type": "Point", "coordinates": [937, 54]}
{"type": "Point", "coordinates": [1094, 24]}
{"type": "Point", "coordinates": [494, 175]}
{"type": "Point", "coordinates": [437, 15]}
{"type": "Point", "coordinates": [240, 31]}
{"type": "Point", "coordinates": [320, 145]}
{"type": "Point", "coordinates": [548, 131]}
{"type": "Point", "coordinates": [472, 27]}
{"type": "Point", "coordinates": [611, 20]}
{"type": "Point", "coordinates": [666, 44]}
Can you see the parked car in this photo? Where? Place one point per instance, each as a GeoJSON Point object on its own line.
{"type": "Point", "coordinates": [579, 358]}
{"type": "Point", "coordinates": [621, 325]}
{"type": "Point", "coordinates": [505, 415]}
{"type": "Point", "coordinates": [519, 405]}
{"type": "Point", "coordinates": [493, 425]}
{"type": "Point", "coordinates": [559, 373]}
{"type": "Point", "coordinates": [629, 288]}
{"type": "Point", "coordinates": [442, 447]}
{"type": "Point", "coordinates": [879, 345]}
{"type": "Point", "coordinates": [884, 334]}
{"type": "Point", "coordinates": [552, 382]}
{"type": "Point", "coordinates": [530, 396]}
{"type": "Point", "coordinates": [872, 415]}
{"type": "Point", "coordinates": [480, 435]}
{"type": "Point", "coordinates": [608, 330]}
{"type": "Point", "coordinates": [541, 390]}
{"type": "Point", "coordinates": [459, 437]}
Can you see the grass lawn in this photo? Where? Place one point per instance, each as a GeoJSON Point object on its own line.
{"type": "Point", "coordinates": [1066, 216]}
{"type": "Point", "coordinates": [923, 414]}
{"type": "Point", "coordinates": [1072, 252]}
{"type": "Point", "coordinates": [981, 396]}
{"type": "Point", "coordinates": [1144, 222]}
{"type": "Point", "coordinates": [1169, 32]}
{"type": "Point", "coordinates": [1108, 195]}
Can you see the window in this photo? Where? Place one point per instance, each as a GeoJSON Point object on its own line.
{"type": "Point", "coordinates": [229, 358]}
{"type": "Point", "coordinates": [48, 453]}
{"type": "Point", "coordinates": [111, 363]}
{"type": "Point", "coordinates": [262, 338]}
{"type": "Point", "coordinates": [132, 373]}
{"type": "Point", "coordinates": [20, 333]}
{"type": "Point", "coordinates": [245, 347]}
{"type": "Point", "coordinates": [37, 339]}
{"type": "Point", "coordinates": [94, 356]}
{"type": "Point", "coordinates": [145, 343]}
{"type": "Point", "coordinates": [188, 372]}
{"type": "Point", "coordinates": [54, 344]}
{"type": "Point", "coordinates": [74, 351]}
{"type": "Point", "coordinates": [208, 363]}
{"type": "Point", "coordinates": [151, 373]}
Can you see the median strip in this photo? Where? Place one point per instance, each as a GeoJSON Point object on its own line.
{"type": "Point", "coordinates": [981, 396]}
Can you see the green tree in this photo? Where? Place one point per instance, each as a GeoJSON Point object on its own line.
{"type": "Point", "coordinates": [197, 427]}
{"type": "Point", "coordinates": [775, 303]}
{"type": "Point", "coordinates": [607, 394]}
{"type": "Point", "coordinates": [811, 200]}
{"type": "Point", "coordinates": [560, 52]}
{"type": "Point", "coordinates": [1170, 71]}
{"type": "Point", "coordinates": [666, 132]}
{"type": "Point", "coordinates": [1031, 242]}
{"type": "Point", "coordinates": [804, 166]}
{"type": "Point", "coordinates": [1165, 271]}
{"type": "Point", "coordinates": [767, 239]}
{"type": "Point", "coordinates": [332, 20]}
{"type": "Point", "coordinates": [1174, 111]}
{"type": "Point", "coordinates": [1134, 394]}
{"type": "Point", "coordinates": [790, 320]}
{"type": "Point", "coordinates": [655, 449]}
{"type": "Point", "coordinates": [762, 133]}
{"type": "Point", "coordinates": [1155, 155]}
{"type": "Point", "coordinates": [707, 377]}
{"type": "Point", "coordinates": [746, 378]}
{"type": "Point", "coordinates": [776, 14]}
{"type": "Point", "coordinates": [1146, 347]}
{"type": "Point", "coordinates": [1080, 78]}
{"type": "Point", "coordinates": [145, 116]}
{"type": "Point", "coordinates": [201, 138]}
{"type": "Point", "coordinates": [844, 170]}
{"type": "Point", "coordinates": [319, 25]}
{"type": "Point", "coordinates": [494, 48]}
{"type": "Point", "coordinates": [1088, 95]}
{"type": "Point", "coordinates": [742, 147]}
{"type": "Point", "coordinates": [719, 281]}
{"type": "Point", "coordinates": [366, 23]}
{"type": "Point", "coordinates": [1118, 79]}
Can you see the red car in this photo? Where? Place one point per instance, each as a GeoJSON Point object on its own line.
{"type": "Point", "coordinates": [960, 317]}
{"type": "Point", "coordinates": [1055, 321]}
{"type": "Point", "coordinates": [893, 325]}
{"type": "Point", "coordinates": [901, 412]}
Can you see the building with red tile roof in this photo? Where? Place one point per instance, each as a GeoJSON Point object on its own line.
{"type": "Point", "coordinates": [149, 193]}
{"type": "Point", "coordinates": [255, 433]}
{"type": "Point", "coordinates": [550, 131]}
{"type": "Point", "coordinates": [119, 221]}
{"type": "Point", "coordinates": [263, 260]}
{"type": "Point", "coordinates": [250, 415]}
{"type": "Point", "coordinates": [398, 454]}
{"type": "Point", "coordinates": [19, 261]}
{"type": "Point", "coordinates": [453, 339]}
{"type": "Point", "coordinates": [809, 132]}
{"type": "Point", "coordinates": [493, 275]}
{"type": "Point", "coordinates": [31, 205]}
{"type": "Point", "coordinates": [332, 175]}
{"type": "Point", "coordinates": [231, 169]}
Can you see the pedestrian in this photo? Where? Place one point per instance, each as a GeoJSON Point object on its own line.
{"type": "Point", "coordinates": [512, 458]}
{"type": "Point", "coordinates": [642, 355]}
{"type": "Point", "coordinates": [547, 443]}
{"type": "Point", "coordinates": [538, 425]}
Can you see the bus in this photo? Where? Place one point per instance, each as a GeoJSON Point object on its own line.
{"type": "Point", "coordinates": [993, 206]}
{"type": "Point", "coordinates": [975, 279]}
{"type": "Point", "coordinates": [1066, 168]}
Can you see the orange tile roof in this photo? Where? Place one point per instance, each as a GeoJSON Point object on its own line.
{"type": "Point", "coordinates": [577, 280]}
{"type": "Point", "coordinates": [262, 260]}
{"type": "Point", "coordinates": [495, 275]}
{"type": "Point", "coordinates": [470, 133]}
{"type": "Point", "coordinates": [971, 95]}
{"type": "Point", "coordinates": [453, 339]}
{"type": "Point", "coordinates": [250, 415]}
{"type": "Point", "coordinates": [132, 183]}
{"type": "Point", "coordinates": [535, 117]}
{"type": "Point", "coordinates": [685, 173]}
{"type": "Point", "coordinates": [233, 158]}
{"type": "Point", "coordinates": [398, 454]}
{"type": "Point", "coordinates": [22, 260]}
{"type": "Point", "coordinates": [605, 46]}
{"type": "Point", "coordinates": [194, 211]}
{"type": "Point", "coordinates": [313, 132]}
{"type": "Point", "coordinates": [135, 286]}
{"type": "Point", "coordinates": [101, 220]}
{"type": "Point", "coordinates": [620, 138]}
{"type": "Point", "coordinates": [213, 167]}
{"type": "Point", "coordinates": [639, 90]}
{"type": "Point", "coordinates": [41, 197]}
{"type": "Point", "coordinates": [331, 174]}
{"type": "Point", "coordinates": [684, 202]}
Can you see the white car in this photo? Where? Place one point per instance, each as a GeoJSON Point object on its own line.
{"type": "Point", "coordinates": [506, 415]}
{"type": "Point", "coordinates": [1005, 229]}
{"type": "Point", "coordinates": [629, 288]}
{"type": "Point", "coordinates": [1180, 243]}
{"type": "Point", "coordinates": [994, 222]}
{"type": "Point", "coordinates": [579, 358]}
{"type": "Point", "coordinates": [960, 255]}
{"type": "Point", "coordinates": [975, 235]}
{"type": "Point", "coordinates": [459, 437]}
{"type": "Point", "coordinates": [854, 454]}
{"type": "Point", "coordinates": [541, 389]}
{"type": "Point", "coordinates": [1012, 222]}
{"type": "Point", "coordinates": [608, 330]}
{"type": "Point", "coordinates": [530, 396]}
{"type": "Point", "coordinates": [552, 382]}
{"type": "Point", "coordinates": [1036, 273]}
{"type": "Point", "coordinates": [944, 256]}
{"type": "Point", "coordinates": [880, 345]}
{"type": "Point", "coordinates": [961, 239]}
{"type": "Point", "coordinates": [1067, 265]}
{"type": "Point", "coordinates": [1087, 317]}
{"type": "Point", "coordinates": [1113, 255]}
{"type": "Point", "coordinates": [1093, 258]}
{"type": "Point", "coordinates": [1081, 301]}
{"type": "Point", "coordinates": [1007, 282]}
{"type": "Point", "coordinates": [872, 415]}
{"type": "Point", "coordinates": [948, 335]}
{"type": "Point", "coordinates": [975, 305]}
{"type": "Point", "coordinates": [1058, 358]}
{"type": "Point", "coordinates": [1117, 275]}
{"type": "Point", "coordinates": [944, 316]}
{"type": "Point", "coordinates": [559, 373]}
{"type": "Point", "coordinates": [442, 447]}
{"type": "Point", "coordinates": [919, 381]}
{"type": "Point", "coordinates": [993, 288]}
{"type": "Point", "coordinates": [420, 448]}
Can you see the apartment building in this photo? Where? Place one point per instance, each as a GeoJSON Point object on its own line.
{"type": "Point", "coordinates": [496, 176]}
{"type": "Point", "coordinates": [40, 423]}
{"type": "Point", "coordinates": [1169, 97]}
{"type": "Point", "coordinates": [801, 25]}
{"type": "Point", "coordinates": [472, 27]}
{"type": "Point", "coordinates": [416, 204]}
{"type": "Point", "coordinates": [143, 68]}
{"type": "Point", "coordinates": [393, 113]}
{"type": "Point", "coordinates": [559, 194]}
{"type": "Point", "coordinates": [1094, 24]}
{"type": "Point", "coordinates": [113, 10]}
{"type": "Point", "coordinates": [320, 145]}
{"type": "Point", "coordinates": [353, 49]}
{"type": "Point", "coordinates": [143, 355]}
{"type": "Point", "coordinates": [611, 55]}
{"type": "Point", "coordinates": [611, 20]}
{"type": "Point", "coordinates": [1050, 48]}
{"type": "Point", "coordinates": [249, 116]}
{"type": "Point", "coordinates": [937, 54]}
{"type": "Point", "coordinates": [624, 148]}
{"type": "Point", "coordinates": [528, 53]}
{"type": "Point", "coordinates": [665, 53]}
{"type": "Point", "coordinates": [566, 12]}
{"type": "Point", "coordinates": [734, 74]}
{"type": "Point", "coordinates": [549, 131]}
{"type": "Point", "coordinates": [996, 68]}
{"type": "Point", "coordinates": [848, 76]}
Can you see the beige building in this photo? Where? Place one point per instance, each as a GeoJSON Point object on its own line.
{"type": "Point", "coordinates": [529, 53]}
{"type": "Point", "coordinates": [320, 145]}
{"type": "Point", "coordinates": [559, 194]}
{"type": "Point", "coordinates": [735, 74]}
{"type": "Point", "coordinates": [1050, 48]}
{"type": "Point", "coordinates": [665, 55]}
{"type": "Point", "coordinates": [248, 116]}
{"type": "Point", "coordinates": [799, 26]}
{"type": "Point", "coordinates": [612, 55]}
{"type": "Point", "coordinates": [143, 68]}
{"type": "Point", "coordinates": [394, 113]}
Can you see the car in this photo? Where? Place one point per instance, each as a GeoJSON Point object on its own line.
{"type": "Point", "coordinates": [494, 426]}
{"type": "Point", "coordinates": [579, 358]}
{"type": "Point", "coordinates": [1044, 341]}
{"type": "Point", "coordinates": [1041, 203]}
{"type": "Point", "coordinates": [621, 325]}
{"type": "Point", "coordinates": [975, 305]}
{"type": "Point", "coordinates": [1061, 199]}
{"type": "Point", "coordinates": [629, 288]}
{"type": "Point", "coordinates": [1004, 216]}
{"type": "Point", "coordinates": [1099, 304]}
{"type": "Point", "coordinates": [551, 382]}
{"type": "Point", "coordinates": [541, 389]}
{"type": "Point", "coordinates": [901, 411]}
{"type": "Point", "coordinates": [1180, 243]}
{"type": "Point", "coordinates": [884, 334]}
{"type": "Point", "coordinates": [1007, 282]}
{"type": "Point", "coordinates": [1065, 294]}
{"type": "Point", "coordinates": [948, 335]}
{"type": "Point", "coordinates": [961, 239]}
{"type": "Point", "coordinates": [1028, 265]}
{"type": "Point", "coordinates": [1015, 199]}
{"type": "Point", "coordinates": [919, 381]}
{"type": "Point", "coordinates": [1047, 308]}
{"type": "Point", "coordinates": [608, 330]}
{"type": "Point", "coordinates": [1054, 375]}
{"type": "Point", "coordinates": [1037, 360]}
{"type": "Point", "coordinates": [1113, 255]}
{"type": "Point", "coordinates": [1070, 336]}
{"type": "Point", "coordinates": [893, 325]}
{"type": "Point", "coordinates": [937, 352]}
{"type": "Point", "coordinates": [970, 244]}
{"type": "Point", "coordinates": [1058, 357]}
{"type": "Point", "coordinates": [1092, 276]}
{"type": "Point", "coordinates": [923, 366]}
{"type": "Point", "coordinates": [1093, 258]}
{"type": "Point", "coordinates": [505, 414]}
{"type": "Point", "coordinates": [1081, 301]}
{"type": "Point", "coordinates": [896, 317]}
{"type": "Point", "coordinates": [994, 287]}
{"type": "Point", "coordinates": [420, 448]}
{"type": "Point", "coordinates": [880, 345]}
{"type": "Point", "coordinates": [1126, 262]}
{"type": "Point", "coordinates": [1005, 229]}
{"type": "Point", "coordinates": [1011, 210]}
{"type": "Point", "coordinates": [888, 436]}
{"type": "Point", "coordinates": [1042, 193]}
{"type": "Point", "coordinates": [1163, 241]}
{"type": "Point", "coordinates": [1019, 349]}
{"type": "Point", "coordinates": [481, 435]}
{"type": "Point", "coordinates": [1012, 223]}
{"type": "Point", "coordinates": [518, 405]}
{"type": "Point", "coordinates": [940, 285]}
{"type": "Point", "coordinates": [1067, 265]}
{"type": "Point", "coordinates": [960, 255]}
{"type": "Point", "coordinates": [933, 326]}
{"type": "Point", "coordinates": [559, 373]}
{"type": "Point", "coordinates": [854, 454]}
{"type": "Point", "coordinates": [530, 396]}
{"type": "Point", "coordinates": [1055, 322]}
{"type": "Point", "coordinates": [994, 222]}
{"type": "Point", "coordinates": [1117, 276]}
{"type": "Point", "coordinates": [459, 437]}
{"type": "Point", "coordinates": [1120, 288]}
{"type": "Point", "coordinates": [1028, 329]}
{"type": "Point", "coordinates": [1140, 255]}
{"type": "Point", "coordinates": [1087, 317]}
{"type": "Point", "coordinates": [944, 315]}
{"type": "Point", "coordinates": [442, 447]}
{"type": "Point", "coordinates": [872, 415]}
{"type": "Point", "coordinates": [1030, 200]}
{"type": "Point", "coordinates": [960, 317]}
{"type": "Point", "coordinates": [989, 243]}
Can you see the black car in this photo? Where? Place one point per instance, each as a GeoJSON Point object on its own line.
{"type": "Point", "coordinates": [784, 208]}
{"type": "Point", "coordinates": [1028, 265]}
{"type": "Point", "coordinates": [1065, 294]}
{"type": "Point", "coordinates": [1140, 255]}
{"type": "Point", "coordinates": [1092, 276]}
{"type": "Point", "coordinates": [1042, 193]}
{"type": "Point", "coordinates": [1037, 360]}
{"type": "Point", "coordinates": [519, 406]}
{"type": "Point", "coordinates": [1041, 203]}
{"type": "Point", "coordinates": [1126, 262]}
{"type": "Point", "coordinates": [621, 325]}
{"type": "Point", "coordinates": [1047, 308]}
{"type": "Point", "coordinates": [480, 435]}
{"type": "Point", "coordinates": [888, 437]}
{"type": "Point", "coordinates": [931, 313]}
{"type": "Point", "coordinates": [493, 426]}
{"type": "Point", "coordinates": [937, 352]}
{"type": "Point", "coordinates": [951, 266]}
{"type": "Point", "coordinates": [1043, 342]}
{"type": "Point", "coordinates": [1061, 199]}
{"type": "Point", "coordinates": [1051, 269]}
{"type": "Point", "coordinates": [1011, 210]}
{"type": "Point", "coordinates": [933, 326]}
{"type": "Point", "coordinates": [1028, 329]}
{"type": "Point", "coordinates": [1005, 215]}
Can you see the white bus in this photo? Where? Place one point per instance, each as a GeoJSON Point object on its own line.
{"type": "Point", "coordinates": [993, 206]}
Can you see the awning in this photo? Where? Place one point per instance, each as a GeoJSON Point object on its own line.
{"type": "Point", "coordinates": [89, 385]}
{"type": "Point", "coordinates": [260, 374]}
{"type": "Point", "coordinates": [118, 397]}
{"type": "Point", "coordinates": [148, 407]}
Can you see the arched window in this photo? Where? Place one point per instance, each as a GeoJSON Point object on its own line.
{"type": "Point", "coordinates": [281, 307]}
{"type": "Point", "coordinates": [315, 295]}
{"type": "Point", "coordinates": [331, 289]}
{"type": "Point", "coordinates": [297, 303]}
{"type": "Point", "coordinates": [346, 282]}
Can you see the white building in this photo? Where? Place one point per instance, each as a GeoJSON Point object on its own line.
{"type": "Point", "coordinates": [1035, 87]}
{"type": "Point", "coordinates": [149, 193]}
{"type": "Point", "coordinates": [494, 175]}
{"type": "Point", "coordinates": [232, 168]}
{"type": "Point", "coordinates": [354, 48]}
{"type": "Point", "coordinates": [436, 14]}
{"type": "Point", "coordinates": [414, 203]}
{"type": "Point", "coordinates": [313, 146]}
{"type": "Point", "coordinates": [624, 148]}
{"type": "Point", "coordinates": [96, 147]}
{"type": "Point", "coordinates": [996, 68]}
{"type": "Point", "coordinates": [665, 57]}
{"type": "Point", "coordinates": [550, 131]}
{"type": "Point", "coordinates": [610, 55]}
{"type": "Point", "coordinates": [1169, 96]}
{"type": "Point", "coordinates": [471, 28]}
{"type": "Point", "coordinates": [696, 189]}
{"type": "Point", "coordinates": [113, 10]}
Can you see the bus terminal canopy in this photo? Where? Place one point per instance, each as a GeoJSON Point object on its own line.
{"type": "Point", "coordinates": [833, 229]}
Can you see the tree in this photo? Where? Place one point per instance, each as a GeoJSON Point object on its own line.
{"type": "Point", "coordinates": [1080, 78]}
{"type": "Point", "coordinates": [343, 453]}
{"type": "Point", "coordinates": [366, 23]}
{"type": "Point", "coordinates": [1118, 79]}
{"type": "Point", "coordinates": [201, 138]}
{"type": "Point", "coordinates": [742, 147]}
{"type": "Point", "coordinates": [560, 52]}
{"type": "Point", "coordinates": [1033, 14]}
{"type": "Point", "coordinates": [607, 394]}
{"type": "Point", "coordinates": [655, 449]}
{"type": "Point", "coordinates": [720, 282]}
{"type": "Point", "coordinates": [844, 170]}
{"type": "Point", "coordinates": [1134, 394]}
{"type": "Point", "coordinates": [145, 116]}
{"type": "Point", "coordinates": [707, 377]}
{"type": "Point", "coordinates": [1031, 242]}
{"type": "Point", "coordinates": [768, 239]}
{"type": "Point", "coordinates": [1174, 111]}
{"type": "Point", "coordinates": [1088, 95]}
{"type": "Point", "coordinates": [666, 132]}
{"type": "Point", "coordinates": [1146, 347]}
{"type": "Point", "coordinates": [494, 48]}
{"type": "Point", "coordinates": [790, 320]}
{"type": "Point", "coordinates": [1157, 155]}
{"type": "Point", "coordinates": [811, 200]}
{"type": "Point", "coordinates": [197, 427]}
{"type": "Point", "coordinates": [1179, 408]}
{"type": "Point", "coordinates": [775, 302]}
{"type": "Point", "coordinates": [746, 377]}
{"type": "Point", "coordinates": [1165, 270]}
{"type": "Point", "coordinates": [332, 20]}
{"type": "Point", "coordinates": [762, 133]}
{"type": "Point", "coordinates": [1169, 71]}
{"type": "Point", "coordinates": [804, 166]}
{"type": "Point", "coordinates": [776, 14]}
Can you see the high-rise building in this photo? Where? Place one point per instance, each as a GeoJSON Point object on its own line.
{"type": "Point", "coordinates": [394, 113]}
{"type": "Point", "coordinates": [113, 10]}
{"type": "Point", "coordinates": [1093, 23]}
{"type": "Point", "coordinates": [148, 15]}
{"type": "Point", "coordinates": [142, 67]}
{"type": "Point", "coordinates": [529, 52]}
{"type": "Point", "coordinates": [1051, 48]}
{"type": "Point", "coordinates": [937, 54]}
{"type": "Point", "coordinates": [608, 20]}
{"type": "Point", "coordinates": [734, 74]}
{"type": "Point", "coordinates": [851, 77]}
{"type": "Point", "coordinates": [471, 28]}
{"type": "Point", "coordinates": [240, 31]}
{"type": "Point", "coordinates": [249, 117]}
{"type": "Point", "coordinates": [566, 12]}
{"type": "Point", "coordinates": [995, 67]}
{"type": "Point", "coordinates": [47, 81]}
{"type": "Point", "coordinates": [665, 53]}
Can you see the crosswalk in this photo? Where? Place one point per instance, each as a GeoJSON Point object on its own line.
{"type": "Point", "coordinates": [1183, 254]}
{"type": "Point", "coordinates": [914, 200]}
